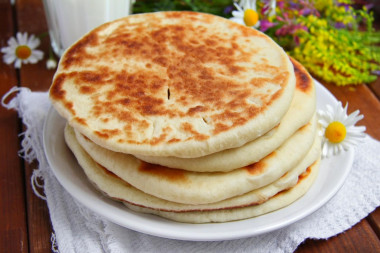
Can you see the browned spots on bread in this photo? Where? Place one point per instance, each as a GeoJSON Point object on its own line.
{"type": "Point", "coordinates": [107, 133]}
{"type": "Point", "coordinates": [304, 82]}
{"type": "Point", "coordinates": [139, 70]}
{"type": "Point", "coordinates": [98, 77]}
{"type": "Point", "coordinates": [187, 127]}
{"type": "Point", "coordinates": [156, 140]}
{"type": "Point", "coordinates": [86, 89]}
{"type": "Point", "coordinates": [81, 121]}
{"type": "Point", "coordinates": [174, 140]}
{"type": "Point", "coordinates": [86, 138]}
{"type": "Point", "coordinates": [283, 176]}
{"type": "Point", "coordinates": [305, 174]}
{"type": "Point", "coordinates": [196, 109]}
{"type": "Point", "coordinates": [108, 172]}
{"type": "Point", "coordinates": [304, 127]}
{"type": "Point", "coordinates": [258, 167]}
{"type": "Point", "coordinates": [173, 175]}
{"type": "Point", "coordinates": [56, 91]}
{"type": "Point", "coordinates": [70, 106]}
{"type": "Point", "coordinates": [77, 54]}
{"type": "Point", "coordinates": [111, 174]}
{"type": "Point", "coordinates": [301, 177]}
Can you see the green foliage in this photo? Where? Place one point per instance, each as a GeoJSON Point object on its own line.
{"type": "Point", "coordinates": [346, 55]}
{"type": "Point", "coordinates": [215, 7]}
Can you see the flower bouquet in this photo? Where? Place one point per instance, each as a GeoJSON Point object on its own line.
{"type": "Point", "coordinates": [334, 39]}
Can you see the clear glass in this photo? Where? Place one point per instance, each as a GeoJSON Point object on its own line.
{"type": "Point", "coordinates": [69, 20]}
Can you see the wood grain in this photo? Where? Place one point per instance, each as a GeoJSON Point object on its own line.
{"type": "Point", "coordinates": [36, 77]}
{"type": "Point", "coordinates": [375, 87]}
{"type": "Point", "coordinates": [13, 227]}
{"type": "Point", "coordinates": [374, 220]}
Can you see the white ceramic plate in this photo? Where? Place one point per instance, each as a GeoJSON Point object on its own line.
{"type": "Point", "coordinates": [333, 172]}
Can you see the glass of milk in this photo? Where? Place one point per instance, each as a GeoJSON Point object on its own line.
{"type": "Point", "coordinates": [68, 20]}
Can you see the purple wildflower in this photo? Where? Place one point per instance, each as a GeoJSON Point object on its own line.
{"type": "Point", "coordinates": [228, 9]}
{"type": "Point", "coordinates": [290, 29]}
{"type": "Point", "coordinates": [265, 25]}
{"type": "Point", "coordinates": [339, 25]}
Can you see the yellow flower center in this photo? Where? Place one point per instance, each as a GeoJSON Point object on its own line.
{"type": "Point", "coordinates": [335, 132]}
{"type": "Point", "coordinates": [23, 52]}
{"type": "Point", "coordinates": [250, 17]}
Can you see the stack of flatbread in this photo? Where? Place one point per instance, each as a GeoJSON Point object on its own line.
{"type": "Point", "coordinates": [189, 116]}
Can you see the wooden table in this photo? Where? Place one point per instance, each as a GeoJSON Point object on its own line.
{"type": "Point", "coordinates": [24, 222]}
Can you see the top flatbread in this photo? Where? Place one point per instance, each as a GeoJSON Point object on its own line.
{"type": "Point", "coordinates": [299, 114]}
{"type": "Point", "coordinates": [178, 84]}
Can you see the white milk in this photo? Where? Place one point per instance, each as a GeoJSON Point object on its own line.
{"type": "Point", "coordinates": [68, 20]}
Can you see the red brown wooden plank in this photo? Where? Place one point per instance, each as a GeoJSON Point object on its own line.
{"type": "Point", "coordinates": [375, 87]}
{"type": "Point", "coordinates": [37, 78]}
{"type": "Point", "coordinates": [374, 220]}
{"type": "Point", "coordinates": [39, 224]}
{"type": "Point", "coordinates": [13, 228]}
{"type": "Point", "coordinates": [359, 239]}
{"type": "Point", "coordinates": [34, 76]}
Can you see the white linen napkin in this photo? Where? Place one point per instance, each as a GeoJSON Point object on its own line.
{"type": "Point", "coordinates": [78, 229]}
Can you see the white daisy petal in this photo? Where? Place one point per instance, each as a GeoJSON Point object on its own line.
{"type": "Point", "coordinates": [354, 134]}
{"type": "Point", "coordinates": [336, 149]}
{"type": "Point", "coordinates": [7, 50]}
{"type": "Point", "coordinates": [240, 9]}
{"type": "Point", "coordinates": [9, 58]}
{"type": "Point", "coordinates": [238, 14]}
{"type": "Point", "coordinates": [325, 150]}
{"type": "Point", "coordinates": [238, 20]}
{"type": "Point", "coordinates": [12, 42]}
{"type": "Point", "coordinates": [353, 118]}
{"type": "Point", "coordinates": [33, 42]}
{"type": "Point", "coordinates": [17, 64]}
{"type": "Point", "coordinates": [39, 54]}
{"type": "Point", "coordinates": [345, 108]}
{"type": "Point", "coordinates": [32, 59]}
{"type": "Point", "coordinates": [21, 38]}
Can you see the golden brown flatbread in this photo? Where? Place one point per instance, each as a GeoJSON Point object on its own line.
{"type": "Point", "coordinates": [180, 84]}
{"type": "Point", "coordinates": [116, 188]}
{"type": "Point", "coordinates": [203, 187]}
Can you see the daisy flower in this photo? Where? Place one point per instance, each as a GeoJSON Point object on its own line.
{"type": "Point", "coordinates": [246, 14]}
{"type": "Point", "coordinates": [270, 8]}
{"type": "Point", "coordinates": [51, 63]}
{"type": "Point", "coordinates": [22, 50]}
{"type": "Point", "coordinates": [339, 130]}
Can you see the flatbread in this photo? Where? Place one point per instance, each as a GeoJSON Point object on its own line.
{"type": "Point", "coordinates": [300, 112]}
{"type": "Point", "coordinates": [180, 84]}
{"type": "Point", "coordinates": [203, 187]}
{"type": "Point", "coordinates": [116, 188]}
{"type": "Point", "coordinates": [278, 201]}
